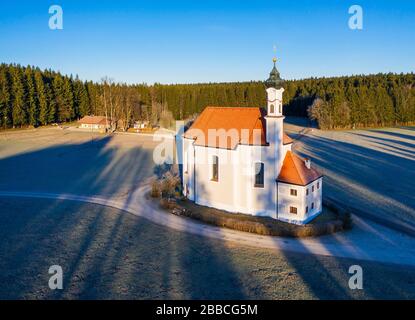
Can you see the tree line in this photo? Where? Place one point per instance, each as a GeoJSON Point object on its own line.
{"type": "Point", "coordinates": [358, 101]}
{"type": "Point", "coordinates": [32, 97]}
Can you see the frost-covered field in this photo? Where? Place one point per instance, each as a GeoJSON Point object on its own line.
{"type": "Point", "coordinates": [56, 160]}
{"type": "Point", "coordinates": [106, 253]}
{"type": "Point", "coordinates": [371, 170]}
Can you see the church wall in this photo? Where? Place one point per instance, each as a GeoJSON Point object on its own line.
{"type": "Point", "coordinates": [257, 200]}
{"type": "Point", "coordinates": [315, 197]}
{"type": "Point", "coordinates": [234, 191]}
{"type": "Point", "coordinates": [188, 168]}
{"type": "Point", "coordinates": [211, 193]}
{"type": "Point", "coordinates": [286, 200]}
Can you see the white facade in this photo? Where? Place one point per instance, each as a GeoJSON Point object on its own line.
{"type": "Point", "coordinates": [91, 126]}
{"type": "Point", "coordinates": [234, 187]}
{"type": "Point", "coordinates": [306, 200]}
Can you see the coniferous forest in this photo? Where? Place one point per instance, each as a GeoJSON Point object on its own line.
{"type": "Point", "coordinates": [33, 97]}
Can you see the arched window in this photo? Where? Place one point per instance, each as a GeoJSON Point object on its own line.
{"type": "Point", "coordinates": [215, 169]}
{"type": "Point", "coordinates": [259, 175]}
{"type": "Point", "coordinates": [271, 108]}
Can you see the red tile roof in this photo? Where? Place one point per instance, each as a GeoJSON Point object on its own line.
{"type": "Point", "coordinates": [93, 120]}
{"type": "Point", "coordinates": [247, 123]}
{"type": "Point", "coordinates": [294, 171]}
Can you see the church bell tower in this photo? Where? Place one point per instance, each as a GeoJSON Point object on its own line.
{"type": "Point", "coordinates": [274, 118]}
{"type": "Point", "coordinates": [275, 90]}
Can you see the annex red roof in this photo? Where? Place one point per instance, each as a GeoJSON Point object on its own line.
{"type": "Point", "coordinates": [93, 120]}
{"type": "Point", "coordinates": [294, 171]}
{"type": "Point", "coordinates": [243, 125]}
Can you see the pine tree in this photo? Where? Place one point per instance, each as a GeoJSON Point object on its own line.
{"type": "Point", "coordinates": [19, 112]}
{"type": "Point", "coordinates": [58, 112]}
{"type": "Point", "coordinates": [32, 102]}
{"type": "Point", "coordinates": [42, 98]}
{"type": "Point", "coordinates": [52, 114]}
{"type": "Point", "coordinates": [5, 107]}
{"type": "Point", "coordinates": [81, 99]}
{"type": "Point", "coordinates": [69, 112]}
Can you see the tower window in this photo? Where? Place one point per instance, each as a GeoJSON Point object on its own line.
{"type": "Point", "coordinates": [259, 175]}
{"type": "Point", "coordinates": [312, 205]}
{"type": "Point", "coordinates": [271, 108]}
{"type": "Point", "coordinates": [215, 169]}
{"type": "Point", "coordinates": [279, 108]}
{"type": "Point", "coordinates": [293, 210]}
{"type": "Point", "coordinates": [293, 192]}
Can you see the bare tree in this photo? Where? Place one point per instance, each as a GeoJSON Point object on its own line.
{"type": "Point", "coordinates": [318, 111]}
{"type": "Point", "coordinates": [128, 101]}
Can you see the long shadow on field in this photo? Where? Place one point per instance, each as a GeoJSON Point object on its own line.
{"type": "Point", "coordinates": [327, 278]}
{"type": "Point", "coordinates": [107, 254]}
{"type": "Point", "coordinates": [311, 271]}
{"type": "Point", "coordinates": [104, 253]}
{"type": "Point", "coordinates": [390, 141]}
{"type": "Point", "coordinates": [88, 168]}
{"type": "Point", "coordinates": [209, 272]}
{"type": "Point", "coordinates": [354, 172]}
{"type": "Point", "coordinates": [397, 135]}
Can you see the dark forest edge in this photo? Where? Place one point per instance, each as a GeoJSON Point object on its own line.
{"type": "Point", "coordinates": [33, 97]}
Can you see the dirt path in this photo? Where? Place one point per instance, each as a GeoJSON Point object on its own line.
{"type": "Point", "coordinates": [366, 241]}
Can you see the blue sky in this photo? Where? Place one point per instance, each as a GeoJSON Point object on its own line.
{"type": "Point", "coordinates": [208, 41]}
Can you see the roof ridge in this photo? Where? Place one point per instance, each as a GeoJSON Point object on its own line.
{"type": "Point", "coordinates": [232, 107]}
{"type": "Point", "coordinates": [298, 161]}
{"type": "Point", "coordinates": [294, 170]}
{"type": "Point", "coordinates": [237, 118]}
{"type": "Point", "coordinates": [293, 157]}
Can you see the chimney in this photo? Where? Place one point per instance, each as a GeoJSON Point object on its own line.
{"type": "Point", "coordinates": [307, 163]}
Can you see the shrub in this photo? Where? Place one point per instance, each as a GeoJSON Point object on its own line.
{"type": "Point", "coordinates": [169, 184]}
{"type": "Point", "coordinates": [168, 204]}
{"type": "Point", "coordinates": [168, 180]}
{"type": "Point", "coordinates": [334, 220]}
{"type": "Point", "coordinates": [155, 189]}
{"type": "Point", "coordinates": [258, 225]}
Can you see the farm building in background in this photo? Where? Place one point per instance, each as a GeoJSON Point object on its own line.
{"type": "Point", "coordinates": [141, 125]}
{"type": "Point", "coordinates": [99, 123]}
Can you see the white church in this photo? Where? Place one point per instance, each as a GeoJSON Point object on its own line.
{"type": "Point", "coordinates": [240, 160]}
